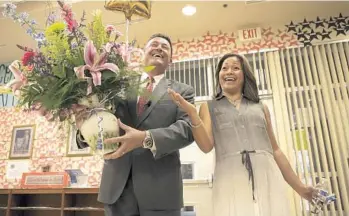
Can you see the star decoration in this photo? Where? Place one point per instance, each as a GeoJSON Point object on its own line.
{"type": "Point", "coordinates": [306, 42]}
{"type": "Point", "coordinates": [347, 26]}
{"type": "Point", "coordinates": [340, 30]}
{"type": "Point", "coordinates": [313, 35]}
{"type": "Point", "coordinates": [300, 35]}
{"type": "Point", "coordinates": [319, 23]}
{"type": "Point", "coordinates": [305, 24]}
{"type": "Point", "coordinates": [340, 19]}
{"type": "Point", "coordinates": [291, 27]}
{"type": "Point", "coordinates": [331, 23]}
{"type": "Point", "coordinates": [325, 34]}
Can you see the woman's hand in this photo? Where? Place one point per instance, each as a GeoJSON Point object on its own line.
{"type": "Point", "coordinates": [181, 102]}
{"type": "Point", "coordinates": [308, 192]}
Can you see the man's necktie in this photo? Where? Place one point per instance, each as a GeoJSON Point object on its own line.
{"type": "Point", "coordinates": [144, 97]}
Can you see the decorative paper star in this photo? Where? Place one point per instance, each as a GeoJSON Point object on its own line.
{"type": "Point", "coordinates": [300, 35]}
{"type": "Point", "coordinates": [340, 30]}
{"type": "Point", "coordinates": [291, 27]}
{"type": "Point", "coordinates": [331, 23]}
{"type": "Point", "coordinates": [305, 24]}
{"type": "Point", "coordinates": [325, 34]}
{"type": "Point", "coordinates": [340, 19]}
{"type": "Point", "coordinates": [319, 23]}
{"type": "Point", "coordinates": [347, 26]}
{"type": "Point", "coordinates": [313, 35]}
{"type": "Point", "coordinates": [306, 42]}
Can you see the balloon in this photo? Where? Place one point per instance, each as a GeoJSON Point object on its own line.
{"type": "Point", "coordinates": [130, 8]}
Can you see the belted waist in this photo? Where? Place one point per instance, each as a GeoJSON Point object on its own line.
{"type": "Point", "coordinates": [246, 161]}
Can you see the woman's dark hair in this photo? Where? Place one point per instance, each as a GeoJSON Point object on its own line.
{"type": "Point", "coordinates": [249, 88]}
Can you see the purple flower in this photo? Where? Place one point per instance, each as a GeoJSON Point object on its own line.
{"type": "Point", "coordinates": [10, 10]}
{"type": "Point", "coordinates": [23, 20]}
{"type": "Point", "coordinates": [74, 45]}
{"type": "Point", "coordinates": [51, 18]}
{"type": "Point", "coordinates": [30, 32]}
{"type": "Point", "coordinates": [23, 16]}
{"type": "Point", "coordinates": [39, 37]}
{"type": "Point", "coordinates": [41, 43]}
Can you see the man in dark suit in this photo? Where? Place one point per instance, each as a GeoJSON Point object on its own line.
{"type": "Point", "coordinates": [143, 177]}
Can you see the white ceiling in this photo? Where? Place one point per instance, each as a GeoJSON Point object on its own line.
{"type": "Point", "coordinates": [168, 18]}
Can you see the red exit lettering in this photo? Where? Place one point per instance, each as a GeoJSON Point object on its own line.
{"type": "Point", "coordinates": [249, 33]}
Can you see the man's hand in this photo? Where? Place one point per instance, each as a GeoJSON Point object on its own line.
{"type": "Point", "coordinates": [81, 114]}
{"type": "Point", "coordinates": [132, 139]}
{"type": "Point", "coordinates": [41, 110]}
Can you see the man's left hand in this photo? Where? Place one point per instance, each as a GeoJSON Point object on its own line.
{"type": "Point", "coordinates": [132, 139]}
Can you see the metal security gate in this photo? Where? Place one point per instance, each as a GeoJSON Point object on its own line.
{"type": "Point", "coordinates": [311, 103]}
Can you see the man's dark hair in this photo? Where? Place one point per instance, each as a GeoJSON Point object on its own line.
{"type": "Point", "coordinates": [164, 37]}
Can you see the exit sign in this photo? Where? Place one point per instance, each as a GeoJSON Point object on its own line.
{"type": "Point", "coordinates": [250, 34]}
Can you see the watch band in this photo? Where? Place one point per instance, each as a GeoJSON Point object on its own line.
{"type": "Point", "coordinates": [148, 140]}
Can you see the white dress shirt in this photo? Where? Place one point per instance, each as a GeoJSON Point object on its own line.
{"type": "Point", "coordinates": [157, 79]}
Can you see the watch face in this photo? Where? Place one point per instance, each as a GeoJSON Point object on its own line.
{"type": "Point", "coordinates": [148, 143]}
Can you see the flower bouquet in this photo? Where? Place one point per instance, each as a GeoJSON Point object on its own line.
{"type": "Point", "coordinates": [75, 67]}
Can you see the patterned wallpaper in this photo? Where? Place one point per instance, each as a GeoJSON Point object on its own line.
{"type": "Point", "coordinates": [50, 142]}
{"type": "Point", "coordinates": [49, 147]}
{"type": "Point", "coordinates": [297, 32]}
{"type": "Point", "coordinates": [212, 44]}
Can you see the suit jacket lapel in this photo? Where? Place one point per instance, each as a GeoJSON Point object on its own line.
{"type": "Point", "coordinates": [157, 94]}
{"type": "Point", "coordinates": [132, 106]}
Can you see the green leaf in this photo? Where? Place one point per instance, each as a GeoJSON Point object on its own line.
{"type": "Point", "coordinates": [106, 74]}
{"type": "Point", "coordinates": [59, 71]}
{"type": "Point", "coordinates": [148, 68]}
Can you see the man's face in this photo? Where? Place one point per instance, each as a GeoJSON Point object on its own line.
{"type": "Point", "coordinates": [158, 53]}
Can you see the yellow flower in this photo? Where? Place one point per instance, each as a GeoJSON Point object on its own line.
{"type": "Point", "coordinates": [55, 28]}
{"type": "Point", "coordinates": [5, 90]}
{"type": "Point", "coordinates": [97, 13]}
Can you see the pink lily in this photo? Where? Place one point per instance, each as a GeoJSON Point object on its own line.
{"type": "Point", "coordinates": [95, 63]}
{"type": "Point", "coordinates": [19, 80]}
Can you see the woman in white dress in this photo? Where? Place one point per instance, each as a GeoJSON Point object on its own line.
{"type": "Point", "coordinates": [251, 169]}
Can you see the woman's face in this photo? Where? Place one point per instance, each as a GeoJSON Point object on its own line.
{"type": "Point", "coordinates": [231, 76]}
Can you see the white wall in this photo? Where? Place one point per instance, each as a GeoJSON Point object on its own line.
{"type": "Point", "coordinates": [199, 195]}
{"type": "Point", "coordinates": [203, 163]}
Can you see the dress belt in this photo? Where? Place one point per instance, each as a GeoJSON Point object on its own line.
{"type": "Point", "coordinates": [246, 161]}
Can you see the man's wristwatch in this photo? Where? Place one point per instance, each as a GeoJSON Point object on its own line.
{"type": "Point", "coordinates": [148, 140]}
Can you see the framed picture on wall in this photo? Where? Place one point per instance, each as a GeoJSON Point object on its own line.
{"type": "Point", "coordinates": [22, 141]}
{"type": "Point", "coordinates": [187, 170]}
{"type": "Point", "coordinates": [72, 146]}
